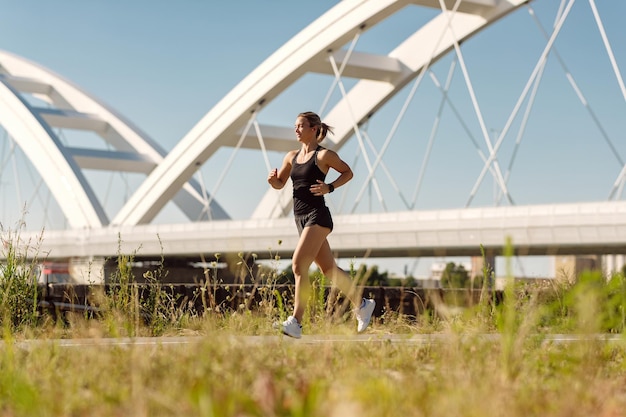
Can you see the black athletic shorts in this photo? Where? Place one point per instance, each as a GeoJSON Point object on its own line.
{"type": "Point", "coordinates": [321, 217]}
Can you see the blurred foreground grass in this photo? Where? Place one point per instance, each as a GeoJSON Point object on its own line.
{"type": "Point", "coordinates": [218, 374]}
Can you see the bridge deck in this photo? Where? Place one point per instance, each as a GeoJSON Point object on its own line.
{"type": "Point", "coordinates": [581, 228]}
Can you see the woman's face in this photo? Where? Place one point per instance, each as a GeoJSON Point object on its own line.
{"type": "Point", "coordinates": [304, 132]}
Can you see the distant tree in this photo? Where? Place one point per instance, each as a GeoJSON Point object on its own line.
{"type": "Point", "coordinates": [409, 281]}
{"type": "Point", "coordinates": [455, 276]}
{"type": "Point", "coordinates": [361, 274]}
{"type": "Point", "coordinates": [371, 276]}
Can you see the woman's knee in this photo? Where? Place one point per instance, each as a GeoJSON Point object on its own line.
{"type": "Point", "coordinates": [300, 267]}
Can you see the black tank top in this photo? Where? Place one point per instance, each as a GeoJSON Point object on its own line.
{"type": "Point", "coordinates": [303, 176]}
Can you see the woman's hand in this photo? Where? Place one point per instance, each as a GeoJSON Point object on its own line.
{"type": "Point", "coordinates": [272, 177]}
{"type": "Point", "coordinates": [320, 188]}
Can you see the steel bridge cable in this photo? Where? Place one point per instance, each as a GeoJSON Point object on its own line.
{"type": "Point", "coordinates": [534, 92]}
{"type": "Point", "coordinates": [206, 208]}
{"type": "Point", "coordinates": [232, 155]}
{"type": "Point", "coordinates": [205, 198]}
{"type": "Point", "coordinates": [618, 185]}
{"type": "Point", "coordinates": [561, 8]}
{"type": "Point", "coordinates": [582, 98]}
{"type": "Point", "coordinates": [277, 201]}
{"type": "Point", "coordinates": [522, 129]}
{"type": "Point", "coordinates": [433, 130]}
{"type": "Point", "coordinates": [259, 136]}
{"type": "Point", "coordinates": [577, 90]}
{"type": "Point", "coordinates": [533, 95]}
{"type": "Point", "coordinates": [384, 167]}
{"type": "Point", "coordinates": [479, 115]}
{"type": "Point", "coordinates": [461, 121]}
{"type": "Point", "coordinates": [28, 203]}
{"type": "Point", "coordinates": [35, 192]}
{"type": "Point", "coordinates": [6, 158]}
{"type": "Point", "coordinates": [257, 129]}
{"type": "Point", "coordinates": [18, 186]}
{"type": "Point", "coordinates": [523, 124]}
{"type": "Point", "coordinates": [620, 188]}
{"type": "Point", "coordinates": [109, 186]}
{"type": "Point", "coordinates": [619, 182]}
{"type": "Point", "coordinates": [392, 132]}
{"type": "Point", "coordinates": [12, 158]}
{"type": "Point", "coordinates": [46, 205]}
{"type": "Point", "coordinates": [386, 170]}
{"type": "Point", "coordinates": [337, 76]}
{"type": "Point", "coordinates": [331, 89]}
{"type": "Point", "coordinates": [404, 108]}
{"type": "Point", "coordinates": [45, 202]}
{"type": "Point", "coordinates": [344, 194]}
{"type": "Point", "coordinates": [450, 15]}
{"type": "Point", "coordinates": [459, 56]}
{"type": "Point", "coordinates": [609, 50]}
{"type": "Point", "coordinates": [459, 117]}
{"type": "Point", "coordinates": [531, 79]}
{"type": "Point", "coordinates": [357, 132]}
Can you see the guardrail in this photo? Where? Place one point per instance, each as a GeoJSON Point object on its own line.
{"type": "Point", "coordinates": [59, 299]}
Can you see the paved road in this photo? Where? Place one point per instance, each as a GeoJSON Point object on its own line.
{"type": "Point", "coordinates": [412, 339]}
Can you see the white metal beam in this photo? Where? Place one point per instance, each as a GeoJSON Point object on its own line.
{"type": "Point", "coordinates": [71, 119]}
{"type": "Point", "coordinates": [111, 160]}
{"type": "Point", "coordinates": [363, 65]}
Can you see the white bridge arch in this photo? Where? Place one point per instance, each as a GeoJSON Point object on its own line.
{"type": "Point", "coordinates": [318, 48]}
{"type": "Point", "coordinates": [62, 105]}
{"type": "Point", "coordinates": [328, 46]}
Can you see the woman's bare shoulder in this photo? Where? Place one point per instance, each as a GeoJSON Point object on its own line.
{"type": "Point", "coordinates": [326, 153]}
{"type": "Point", "coordinates": [291, 154]}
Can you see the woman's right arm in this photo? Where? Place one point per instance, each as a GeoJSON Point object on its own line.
{"type": "Point", "coordinates": [277, 178]}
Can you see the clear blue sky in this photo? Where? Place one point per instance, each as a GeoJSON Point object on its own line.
{"type": "Point", "coordinates": [165, 64]}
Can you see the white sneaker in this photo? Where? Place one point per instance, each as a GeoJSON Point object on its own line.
{"type": "Point", "coordinates": [291, 327]}
{"type": "Point", "coordinates": [364, 314]}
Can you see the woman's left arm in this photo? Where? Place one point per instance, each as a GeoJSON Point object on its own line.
{"type": "Point", "coordinates": [330, 159]}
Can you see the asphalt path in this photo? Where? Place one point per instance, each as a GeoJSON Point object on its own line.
{"type": "Point", "coordinates": [410, 339]}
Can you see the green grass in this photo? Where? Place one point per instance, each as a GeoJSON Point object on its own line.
{"type": "Point", "coordinates": [224, 372]}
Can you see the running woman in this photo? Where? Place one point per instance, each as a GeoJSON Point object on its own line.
{"type": "Point", "coordinates": [307, 167]}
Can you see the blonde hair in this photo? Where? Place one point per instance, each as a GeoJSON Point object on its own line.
{"type": "Point", "coordinates": [314, 120]}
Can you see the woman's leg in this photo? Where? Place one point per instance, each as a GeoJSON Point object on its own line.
{"type": "Point", "coordinates": [311, 240]}
{"type": "Point", "coordinates": [327, 264]}
{"type": "Point", "coordinates": [363, 308]}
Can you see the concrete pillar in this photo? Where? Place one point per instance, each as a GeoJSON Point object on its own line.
{"type": "Point", "coordinates": [620, 260]}
{"type": "Point", "coordinates": [569, 267]}
{"type": "Point", "coordinates": [612, 264]}
{"type": "Point", "coordinates": [478, 264]}
{"type": "Point", "coordinates": [608, 264]}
